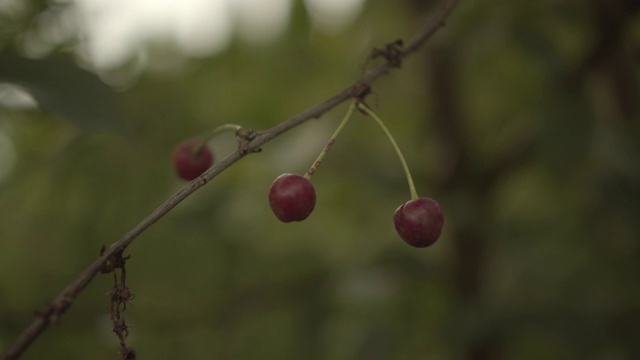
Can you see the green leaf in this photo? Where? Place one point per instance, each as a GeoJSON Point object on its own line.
{"type": "Point", "coordinates": [63, 88]}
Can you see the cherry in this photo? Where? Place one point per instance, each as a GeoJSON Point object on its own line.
{"type": "Point", "coordinates": [419, 222]}
{"type": "Point", "coordinates": [292, 197]}
{"type": "Point", "coordinates": [191, 159]}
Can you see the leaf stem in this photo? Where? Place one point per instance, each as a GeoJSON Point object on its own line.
{"type": "Point", "coordinates": [214, 132]}
{"type": "Point", "coordinates": [412, 187]}
{"type": "Point", "coordinates": [332, 140]}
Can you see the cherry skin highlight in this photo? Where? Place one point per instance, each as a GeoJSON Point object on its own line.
{"type": "Point", "coordinates": [419, 222]}
{"type": "Point", "coordinates": [292, 197]}
{"type": "Point", "coordinates": [188, 162]}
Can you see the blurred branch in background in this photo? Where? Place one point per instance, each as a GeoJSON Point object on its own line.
{"type": "Point", "coordinates": [476, 178]}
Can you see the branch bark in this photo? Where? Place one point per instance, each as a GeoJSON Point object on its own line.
{"type": "Point", "coordinates": [58, 306]}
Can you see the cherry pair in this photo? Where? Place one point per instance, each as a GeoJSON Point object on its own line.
{"type": "Point", "coordinates": [419, 221]}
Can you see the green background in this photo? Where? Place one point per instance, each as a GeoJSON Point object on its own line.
{"type": "Point", "coordinates": [521, 118]}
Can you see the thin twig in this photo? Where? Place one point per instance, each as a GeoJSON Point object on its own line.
{"type": "Point", "coordinates": [62, 302]}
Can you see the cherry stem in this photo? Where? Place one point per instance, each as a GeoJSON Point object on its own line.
{"type": "Point", "coordinates": [214, 132]}
{"type": "Point", "coordinates": [412, 187]}
{"type": "Point", "coordinates": [332, 140]}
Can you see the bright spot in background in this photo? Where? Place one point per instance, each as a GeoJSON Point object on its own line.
{"type": "Point", "coordinates": [7, 155]}
{"type": "Point", "coordinates": [114, 31]}
{"type": "Point", "coordinates": [260, 22]}
{"type": "Point", "coordinates": [13, 97]}
{"type": "Point", "coordinates": [333, 15]}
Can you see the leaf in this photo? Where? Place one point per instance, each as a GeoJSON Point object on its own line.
{"type": "Point", "coordinates": [63, 88]}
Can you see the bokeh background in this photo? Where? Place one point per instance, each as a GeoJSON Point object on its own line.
{"type": "Point", "coordinates": [520, 117]}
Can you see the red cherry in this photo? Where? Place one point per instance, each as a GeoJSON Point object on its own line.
{"type": "Point", "coordinates": [419, 222]}
{"type": "Point", "coordinates": [189, 162]}
{"type": "Point", "coordinates": [292, 197]}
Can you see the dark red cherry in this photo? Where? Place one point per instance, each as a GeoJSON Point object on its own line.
{"type": "Point", "coordinates": [190, 161]}
{"type": "Point", "coordinates": [292, 197]}
{"type": "Point", "coordinates": [419, 222]}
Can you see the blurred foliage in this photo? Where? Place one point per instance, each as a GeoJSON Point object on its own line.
{"type": "Point", "coordinates": [521, 118]}
{"type": "Point", "coordinates": [57, 84]}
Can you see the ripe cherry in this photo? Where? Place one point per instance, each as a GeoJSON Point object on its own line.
{"type": "Point", "coordinates": [292, 197]}
{"type": "Point", "coordinates": [191, 159]}
{"type": "Point", "coordinates": [419, 222]}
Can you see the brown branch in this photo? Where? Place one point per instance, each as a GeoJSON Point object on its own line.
{"type": "Point", "coordinates": [63, 301]}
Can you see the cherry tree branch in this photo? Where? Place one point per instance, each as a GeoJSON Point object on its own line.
{"type": "Point", "coordinates": [58, 306]}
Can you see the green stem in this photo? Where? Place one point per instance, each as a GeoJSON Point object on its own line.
{"type": "Point", "coordinates": [332, 140]}
{"type": "Point", "coordinates": [214, 132]}
{"type": "Point", "coordinates": [412, 187]}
